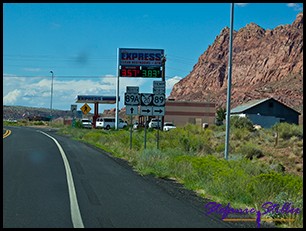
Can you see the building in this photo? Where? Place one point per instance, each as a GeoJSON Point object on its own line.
{"type": "Point", "coordinates": [184, 112]}
{"type": "Point", "coordinates": [266, 112]}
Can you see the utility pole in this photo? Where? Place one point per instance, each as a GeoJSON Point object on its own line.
{"type": "Point", "coordinates": [229, 80]}
{"type": "Point", "coordinates": [117, 93]}
{"type": "Point", "coordinates": [51, 95]}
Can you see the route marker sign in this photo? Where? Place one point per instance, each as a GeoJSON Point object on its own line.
{"type": "Point", "coordinates": [146, 110]}
{"type": "Point", "coordinates": [159, 87]}
{"type": "Point", "coordinates": [132, 89]}
{"type": "Point", "coordinates": [131, 110]}
{"type": "Point", "coordinates": [158, 111]}
{"type": "Point", "coordinates": [131, 99]}
{"type": "Point", "coordinates": [146, 99]}
{"type": "Point", "coordinates": [159, 100]}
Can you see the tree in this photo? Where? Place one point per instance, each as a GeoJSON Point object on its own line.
{"type": "Point", "coordinates": [220, 116]}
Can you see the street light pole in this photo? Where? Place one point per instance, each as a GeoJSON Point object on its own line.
{"type": "Point", "coordinates": [51, 95]}
{"type": "Point", "coordinates": [229, 83]}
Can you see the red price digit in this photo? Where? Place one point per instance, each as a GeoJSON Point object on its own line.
{"type": "Point", "coordinates": [123, 72]}
{"type": "Point", "coordinates": [135, 72]}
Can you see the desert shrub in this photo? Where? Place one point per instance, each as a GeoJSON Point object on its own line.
{"type": "Point", "coordinates": [93, 137]}
{"type": "Point", "coordinates": [250, 151]}
{"type": "Point", "coordinates": [241, 122]}
{"type": "Point", "coordinates": [296, 202]}
{"type": "Point", "coordinates": [220, 147]}
{"type": "Point", "coordinates": [196, 141]}
{"type": "Point", "coordinates": [266, 186]}
{"type": "Point", "coordinates": [153, 161]}
{"type": "Point", "coordinates": [240, 133]}
{"type": "Point", "coordinates": [38, 123]}
{"type": "Point", "coordinates": [78, 124]}
{"type": "Point", "coordinates": [278, 167]}
{"type": "Point", "coordinates": [286, 130]}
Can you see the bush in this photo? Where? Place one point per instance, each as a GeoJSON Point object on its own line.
{"type": "Point", "coordinates": [249, 151]}
{"type": "Point", "coordinates": [220, 147]}
{"type": "Point", "coordinates": [78, 124]}
{"type": "Point", "coordinates": [241, 134]}
{"type": "Point", "coordinates": [38, 123]}
{"type": "Point", "coordinates": [241, 122]}
{"type": "Point", "coordinates": [286, 130]}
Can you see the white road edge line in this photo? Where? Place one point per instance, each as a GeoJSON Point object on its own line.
{"type": "Point", "coordinates": [74, 206]}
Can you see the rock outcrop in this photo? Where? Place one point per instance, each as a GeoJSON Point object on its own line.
{"type": "Point", "coordinates": [265, 63]}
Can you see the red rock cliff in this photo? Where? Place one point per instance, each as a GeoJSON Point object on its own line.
{"type": "Point", "coordinates": [266, 63]}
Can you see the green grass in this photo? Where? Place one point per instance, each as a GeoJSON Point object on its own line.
{"type": "Point", "coordinates": [194, 157]}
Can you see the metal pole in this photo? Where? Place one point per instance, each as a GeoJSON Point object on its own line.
{"type": "Point", "coordinates": [163, 79]}
{"type": "Point", "coordinates": [228, 100]}
{"type": "Point", "coordinates": [157, 138]}
{"type": "Point", "coordinates": [51, 95]}
{"type": "Point", "coordinates": [117, 93]}
{"type": "Point", "coordinates": [145, 133]}
{"type": "Point", "coordinates": [131, 131]}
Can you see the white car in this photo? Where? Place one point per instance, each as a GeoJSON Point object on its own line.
{"type": "Point", "coordinates": [86, 123]}
{"type": "Point", "coordinates": [136, 125]}
{"type": "Point", "coordinates": [168, 126]}
{"type": "Point", "coordinates": [109, 122]}
{"type": "Point", "coordinates": [155, 123]}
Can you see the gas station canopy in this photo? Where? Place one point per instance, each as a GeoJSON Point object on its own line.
{"type": "Point", "coordinates": [96, 99]}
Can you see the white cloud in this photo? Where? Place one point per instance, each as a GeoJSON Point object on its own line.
{"type": "Point", "coordinates": [11, 97]}
{"type": "Point", "coordinates": [32, 69]}
{"type": "Point", "coordinates": [295, 6]}
{"type": "Point", "coordinates": [36, 91]}
{"type": "Point", "coordinates": [170, 83]}
{"type": "Point", "coordinates": [241, 4]}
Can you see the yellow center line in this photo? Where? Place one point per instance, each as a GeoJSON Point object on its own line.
{"type": "Point", "coordinates": [7, 133]}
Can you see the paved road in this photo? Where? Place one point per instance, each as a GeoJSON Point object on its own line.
{"type": "Point", "coordinates": [108, 192]}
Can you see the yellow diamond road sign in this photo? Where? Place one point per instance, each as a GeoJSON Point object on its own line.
{"type": "Point", "coordinates": [85, 108]}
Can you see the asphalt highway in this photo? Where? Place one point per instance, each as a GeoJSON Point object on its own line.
{"type": "Point", "coordinates": [52, 181]}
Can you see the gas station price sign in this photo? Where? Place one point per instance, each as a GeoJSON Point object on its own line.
{"type": "Point", "coordinates": [144, 63]}
{"type": "Point", "coordinates": [130, 71]}
{"type": "Point", "coordinates": [151, 72]}
{"type": "Point", "coordinates": [141, 71]}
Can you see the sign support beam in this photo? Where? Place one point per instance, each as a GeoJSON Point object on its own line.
{"type": "Point", "coordinates": [131, 131]}
{"type": "Point", "coordinates": [163, 79]}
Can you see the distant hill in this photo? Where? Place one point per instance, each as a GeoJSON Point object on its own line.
{"type": "Point", "coordinates": [22, 112]}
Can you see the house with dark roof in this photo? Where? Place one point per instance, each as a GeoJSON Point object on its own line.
{"type": "Point", "coordinates": [266, 112]}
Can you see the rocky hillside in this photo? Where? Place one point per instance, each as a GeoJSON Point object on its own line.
{"type": "Point", "coordinates": [21, 112]}
{"type": "Point", "coordinates": [266, 63]}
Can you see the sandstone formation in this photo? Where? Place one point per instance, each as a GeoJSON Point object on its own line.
{"type": "Point", "coordinates": [265, 63]}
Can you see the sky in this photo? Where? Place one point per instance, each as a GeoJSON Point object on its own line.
{"type": "Point", "coordinates": [79, 43]}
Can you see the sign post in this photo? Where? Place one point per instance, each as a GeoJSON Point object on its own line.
{"type": "Point", "coordinates": [159, 101]}
{"type": "Point", "coordinates": [73, 111]}
{"type": "Point", "coordinates": [131, 100]}
{"type": "Point", "coordinates": [145, 133]}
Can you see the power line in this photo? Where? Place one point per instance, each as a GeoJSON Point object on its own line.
{"type": "Point", "coordinates": [70, 76]}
